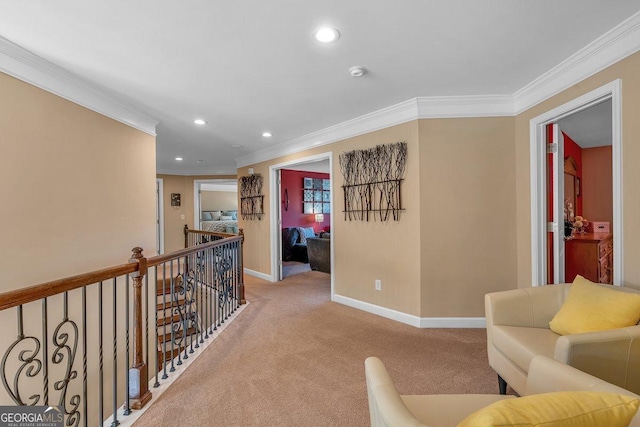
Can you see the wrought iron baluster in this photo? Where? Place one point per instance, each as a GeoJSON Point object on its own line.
{"type": "Point", "coordinates": [197, 294]}
{"type": "Point", "coordinates": [156, 363]}
{"type": "Point", "coordinates": [205, 289]}
{"type": "Point", "coordinates": [115, 421]}
{"type": "Point", "coordinates": [45, 352]}
{"type": "Point", "coordinates": [31, 365]}
{"type": "Point", "coordinates": [234, 275]}
{"type": "Point", "coordinates": [174, 300]}
{"type": "Point", "coordinates": [214, 292]}
{"type": "Point", "coordinates": [85, 394]}
{"type": "Point", "coordinates": [188, 275]}
{"type": "Point", "coordinates": [164, 321]}
{"type": "Point", "coordinates": [100, 339]}
{"type": "Point", "coordinates": [65, 339]}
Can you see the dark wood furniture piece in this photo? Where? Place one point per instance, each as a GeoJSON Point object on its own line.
{"type": "Point", "coordinates": [591, 256]}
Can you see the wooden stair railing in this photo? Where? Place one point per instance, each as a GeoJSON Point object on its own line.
{"type": "Point", "coordinates": [74, 333]}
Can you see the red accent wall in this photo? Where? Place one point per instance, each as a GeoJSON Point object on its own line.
{"type": "Point", "coordinates": [571, 148]}
{"type": "Point", "coordinates": [292, 181]}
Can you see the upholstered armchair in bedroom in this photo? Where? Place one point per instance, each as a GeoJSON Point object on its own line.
{"type": "Point", "coordinates": [591, 327]}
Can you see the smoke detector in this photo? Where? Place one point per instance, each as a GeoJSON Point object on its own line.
{"type": "Point", "coordinates": [357, 71]}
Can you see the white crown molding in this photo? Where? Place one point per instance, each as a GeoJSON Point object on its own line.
{"type": "Point", "coordinates": [412, 109]}
{"type": "Point", "coordinates": [26, 66]}
{"type": "Point", "coordinates": [434, 107]}
{"type": "Point", "coordinates": [380, 119]}
{"type": "Point", "coordinates": [409, 319]}
{"type": "Point", "coordinates": [611, 47]}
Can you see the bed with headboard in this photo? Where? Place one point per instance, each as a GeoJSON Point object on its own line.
{"type": "Point", "coordinates": [219, 221]}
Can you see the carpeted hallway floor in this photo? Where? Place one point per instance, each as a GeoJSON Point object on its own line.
{"type": "Point", "coordinates": [294, 358]}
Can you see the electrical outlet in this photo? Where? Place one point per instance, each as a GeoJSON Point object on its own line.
{"type": "Point", "coordinates": [378, 285]}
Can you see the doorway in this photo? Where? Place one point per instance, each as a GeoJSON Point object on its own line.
{"type": "Point", "coordinates": [284, 203]}
{"type": "Point", "coordinates": [213, 195]}
{"type": "Point", "coordinates": [547, 213]}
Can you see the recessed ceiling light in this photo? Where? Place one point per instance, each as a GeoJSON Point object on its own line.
{"type": "Point", "coordinates": [267, 134]}
{"type": "Point", "coordinates": [357, 71]}
{"type": "Point", "coordinates": [198, 161]}
{"type": "Point", "coordinates": [200, 122]}
{"type": "Point", "coordinates": [179, 159]}
{"type": "Point", "coordinates": [326, 35]}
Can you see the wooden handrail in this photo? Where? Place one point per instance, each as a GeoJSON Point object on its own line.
{"type": "Point", "coordinates": [47, 289]}
{"type": "Point", "coordinates": [186, 232]}
{"type": "Point", "coordinates": [34, 293]}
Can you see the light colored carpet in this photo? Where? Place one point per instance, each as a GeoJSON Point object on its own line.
{"type": "Point", "coordinates": [294, 358]}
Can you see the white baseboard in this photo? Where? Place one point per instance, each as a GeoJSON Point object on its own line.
{"type": "Point", "coordinates": [453, 322]}
{"type": "Point", "coordinates": [409, 319]}
{"type": "Point", "coordinates": [259, 275]}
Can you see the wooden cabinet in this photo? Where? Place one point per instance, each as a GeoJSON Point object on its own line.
{"type": "Point", "coordinates": [591, 256]}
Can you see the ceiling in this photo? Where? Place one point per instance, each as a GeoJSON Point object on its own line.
{"type": "Point", "coordinates": [591, 127]}
{"type": "Point", "coordinates": [252, 66]}
{"type": "Point", "coordinates": [320, 166]}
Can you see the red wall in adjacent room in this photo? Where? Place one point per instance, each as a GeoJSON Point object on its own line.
{"type": "Point", "coordinates": [292, 181]}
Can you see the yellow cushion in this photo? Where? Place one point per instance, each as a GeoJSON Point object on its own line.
{"type": "Point", "coordinates": [590, 307]}
{"type": "Point", "coordinates": [565, 408]}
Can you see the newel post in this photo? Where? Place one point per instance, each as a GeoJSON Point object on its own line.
{"type": "Point", "coordinates": [186, 236]}
{"type": "Point", "coordinates": [138, 374]}
{"type": "Point", "coordinates": [241, 284]}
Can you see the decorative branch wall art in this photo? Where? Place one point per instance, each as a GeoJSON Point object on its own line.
{"type": "Point", "coordinates": [372, 181]}
{"type": "Point", "coordinates": [251, 197]}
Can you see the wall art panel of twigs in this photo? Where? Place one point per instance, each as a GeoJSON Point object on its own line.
{"type": "Point", "coordinates": [372, 181]}
{"type": "Point", "coordinates": [251, 197]}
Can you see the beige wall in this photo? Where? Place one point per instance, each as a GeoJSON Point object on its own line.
{"type": "Point", "coordinates": [467, 196]}
{"type": "Point", "coordinates": [597, 184]}
{"type": "Point", "coordinates": [627, 71]}
{"type": "Point", "coordinates": [173, 216]}
{"type": "Point", "coordinates": [456, 240]}
{"type": "Point", "coordinates": [364, 251]}
{"type": "Point", "coordinates": [78, 194]}
{"type": "Point", "coordinates": [219, 200]}
{"type": "Point", "coordinates": [78, 187]}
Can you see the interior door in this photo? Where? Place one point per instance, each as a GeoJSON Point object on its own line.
{"type": "Point", "coordinates": [555, 209]}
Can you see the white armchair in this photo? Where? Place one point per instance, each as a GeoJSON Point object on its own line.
{"type": "Point", "coordinates": [518, 330]}
{"type": "Point", "coordinates": [388, 408]}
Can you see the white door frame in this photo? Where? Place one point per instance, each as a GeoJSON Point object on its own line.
{"type": "Point", "coordinates": [160, 214]}
{"type": "Point", "coordinates": [537, 125]}
{"type": "Point", "coordinates": [275, 206]}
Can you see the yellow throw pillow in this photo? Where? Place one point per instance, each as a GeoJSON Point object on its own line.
{"type": "Point", "coordinates": [558, 409]}
{"type": "Point", "coordinates": [590, 307]}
